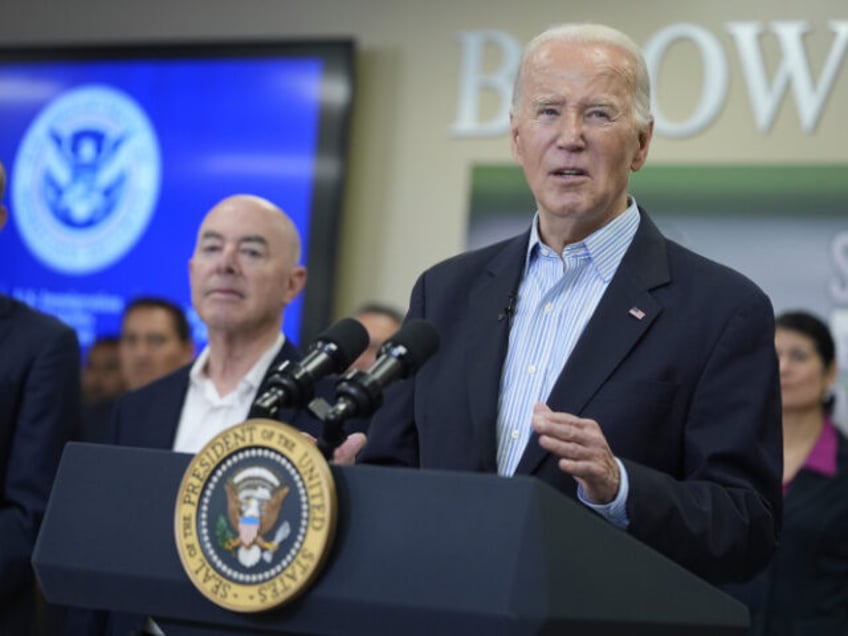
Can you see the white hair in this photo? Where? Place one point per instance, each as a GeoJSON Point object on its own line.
{"type": "Point", "coordinates": [595, 34]}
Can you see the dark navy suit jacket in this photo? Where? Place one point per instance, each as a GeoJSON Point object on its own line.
{"type": "Point", "coordinates": [39, 411]}
{"type": "Point", "coordinates": [686, 392]}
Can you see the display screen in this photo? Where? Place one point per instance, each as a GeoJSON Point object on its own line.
{"type": "Point", "coordinates": [115, 153]}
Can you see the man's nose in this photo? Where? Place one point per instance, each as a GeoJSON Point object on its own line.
{"type": "Point", "coordinates": [228, 258]}
{"type": "Point", "coordinates": [571, 130]}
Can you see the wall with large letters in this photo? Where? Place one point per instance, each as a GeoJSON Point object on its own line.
{"type": "Point", "coordinates": [761, 82]}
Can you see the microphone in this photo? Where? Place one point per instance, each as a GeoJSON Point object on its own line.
{"type": "Point", "coordinates": [292, 384]}
{"type": "Point", "coordinates": [509, 311]}
{"type": "Point", "coordinates": [360, 393]}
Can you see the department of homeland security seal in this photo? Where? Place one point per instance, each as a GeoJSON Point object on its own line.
{"type": "Point", "coordinates": [255, 516]}
{"type": "Point", "coordinates": [86, 179]}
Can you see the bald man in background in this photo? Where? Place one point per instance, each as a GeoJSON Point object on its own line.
{"type": "Point", "coordinates": [243, 273]}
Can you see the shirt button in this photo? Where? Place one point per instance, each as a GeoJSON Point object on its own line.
{"type": "Point", "coordinates": [531, 369]}
{"type": "Point", "coordinates": [549, 308]}
{"type": "Point", "coordinates": [514, 434]}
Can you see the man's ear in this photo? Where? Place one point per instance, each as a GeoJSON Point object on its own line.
{"type": "Point", "coordinates": [641, 154]}
{"type": "Point", "coordinates": [517, 153]}
{"type": "Point", "coordinates": [297, 281]}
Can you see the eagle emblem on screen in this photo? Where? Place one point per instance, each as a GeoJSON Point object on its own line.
{"type": "Point", "coordinates": [86, 179]}
{"type": "Point", "coordinates": [85, 176]}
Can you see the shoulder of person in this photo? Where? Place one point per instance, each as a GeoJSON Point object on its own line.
{"type": "Point", "coordinates": [36, 330]}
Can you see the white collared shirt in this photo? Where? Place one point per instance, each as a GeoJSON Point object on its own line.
{"type": "Point", "coordinates": [556, 298]}
{"type": "Point", "coordinates": [205, 413]}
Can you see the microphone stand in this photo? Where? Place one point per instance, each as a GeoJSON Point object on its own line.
{"type": "Point", "coordinates": [332, 433]}
{"type": "Point", "coordinates": [359, 393]}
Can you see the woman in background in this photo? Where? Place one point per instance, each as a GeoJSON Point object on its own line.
{"type": "Point", "coordinates": [804, 590]}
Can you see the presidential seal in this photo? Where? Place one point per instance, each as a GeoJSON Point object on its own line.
{"type": "Point", "coordinates": [86, 179]}
{"type": "Point", "coordinates": [255, 516]}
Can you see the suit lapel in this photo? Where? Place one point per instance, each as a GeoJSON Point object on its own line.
{"type": "Point", "coordinates": [488, 339]}
{"type": "Point", "coordinates": [625, 312]}
{"type": "Point", "coordinates": [172, 408]}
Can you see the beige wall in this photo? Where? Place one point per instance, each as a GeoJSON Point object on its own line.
{"type": "Point", "coordinates": [407, 191]}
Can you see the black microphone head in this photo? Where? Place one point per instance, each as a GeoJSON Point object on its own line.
{"type": "Point", "coordinates": [350, 339]}
{"type": "Point", "coordinates": [419, 338]}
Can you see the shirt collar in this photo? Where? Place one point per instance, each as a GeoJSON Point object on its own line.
{"type": "Point", "coordinates": [253, 378]}
{"type": "Point", "coordinates": [606, 246]}
{"type": "Point", "coordinates": [822, 458]}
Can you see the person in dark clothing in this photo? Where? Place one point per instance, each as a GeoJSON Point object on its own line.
{"type": "Point", "coordinates": [804, 590]}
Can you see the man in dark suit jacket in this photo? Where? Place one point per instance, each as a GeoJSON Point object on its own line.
{"type": "Point", "coordinates": [243, 273]}
{"type": "Point", "coordinates": [39, 410]}
{"type": "Point", "coordinates": [642, 376]}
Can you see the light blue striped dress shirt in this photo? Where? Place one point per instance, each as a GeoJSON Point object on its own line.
{"type": "Point", "coordinates": [556, 298]}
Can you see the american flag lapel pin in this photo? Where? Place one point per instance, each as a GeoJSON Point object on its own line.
{"type": "Point", "coordinates": [637, 313]}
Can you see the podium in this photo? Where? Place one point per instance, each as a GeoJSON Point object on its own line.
{"type": "Point", "coordinates": [415, 552]}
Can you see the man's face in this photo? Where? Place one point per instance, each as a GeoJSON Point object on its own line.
{"type": "Point", "coordinates": [380, 328]}
{"type": "Point", "coordinates": [575, 135]}
{"type": "Point", "coordinates": [101, 376]}
{"type": "Point", "coordinates": [243, 271]}
{"type": "Point", "coordinates": [150, 346]}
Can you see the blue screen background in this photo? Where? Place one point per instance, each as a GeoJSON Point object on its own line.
{"type": "Point", "coordinates": [224, 126]}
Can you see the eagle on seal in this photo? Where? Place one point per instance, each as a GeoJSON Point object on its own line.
{"type": "Point", "coordinates": [254, 499]}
